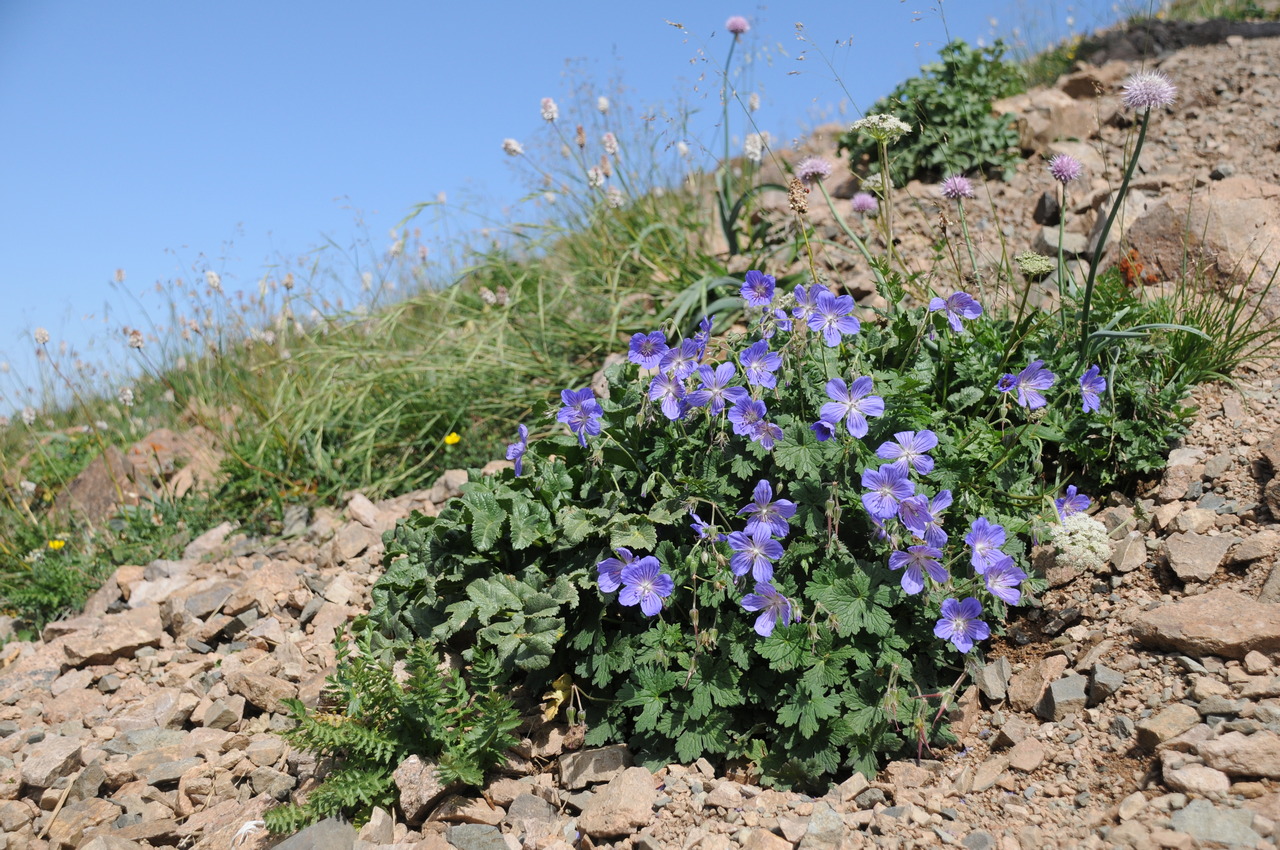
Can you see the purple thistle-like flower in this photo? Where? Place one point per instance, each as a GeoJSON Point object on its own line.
{"type": "Point", "coordinates": [681, 361]}
{"type": "Point", "coordinates": [959, 305]}
{"type": "Point", "coordinates": [737, 25]}
{"type": "Point", "coordinates": [886, 488]}
{"type": "Point", "coordinates": [1074, 502]}
{"type": "Point", "coordinates": [647, 349]}
{"type": "Point", "coordinates": [758, 288]}
{"type": "Point", "coordinates": [1004, 579]}
{"type": "Point", "coordinates": [984, 539]}
{"type": "Point", "coordinates": [767, 434]}
{"type": "Point", "coordinates": [669, 390]}
{"type": "Point", "coordinates": [773, 608]}
{"type": "Point", "coordinates": [753, 552]}
{"type": "Point", "coordinates": [1092, 384]}
{"type": "Point", "coordinates": [764, 511]}
{"type": "Point", "coordinates": [645, 584]}
{"type": "Point", "coordinates": [581, 412]}
{"type": "Point", "coordinates": [823, 430]}
{"type": "Point", "coordinates": [716, 392]}
{"type": "Point", "coordinates": [516, 450]}
{"type": "Point", "coordinates": [759, 364]}
{"type": "Point", "coordinates": [918, 560]}
{"type": "Point", "coordinates": [1149, 90]}
{"type": "Point", "coordinates": [864, 202]}
{"type": "Point", "coordinates": [746, 415]}
{"type": "Point", "coordinates": [812, 169]}
{"type": "Point", "coordinates": [853, 404]}
{"type": "Point", "coordinates": [955, 187]}
{"type": "Point", "coordinates": [909, 450]}
{"type": "Point", "coordinates": [1029, 382]}
{"type": "Point", "coordinates": [807, 301]}
{"type": "Point", "coordinates": [832, 317]}
{"type": "Point", "coordinates": [960, 624]}
{"type": "Point", "coordinates": [1064, 167]}
{"type": "Point", "coordinates": [610, 570]}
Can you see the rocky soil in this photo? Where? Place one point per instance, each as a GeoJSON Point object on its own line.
{"type": "Point", "coordinates": [1138, 706]}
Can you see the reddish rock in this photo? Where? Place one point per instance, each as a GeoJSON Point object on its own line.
{"type": "Point", "coordinates": [261, 690]}
{"type": "Point", "coordinates": [1237, 754]}
{"type": "Point", "coordinates": [101, 640]}
{"type": "Point", "coordinates": [1221, 622]}
{"type": "Point", "coordinates": [49, 760]}
{"type": "Point", "coordinates": [69, 828]}
{"type": "Point", "coordinates": [420, 788]}
{"type": "Point", "coordinates": [1196, 556]}
{"type": "Point", "coordinates": [620, 807]}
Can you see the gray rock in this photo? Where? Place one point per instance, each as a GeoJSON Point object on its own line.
{"type": "Point", "coordinates": [869, 798]}
{"type": "Point", "coordinates": [50, 760]}
{"type": "Point", "coordinates": [1195, 556]}
{"type": "Point", "coordinates": [1063, 696]}
{"type": "Point", "coordinates": [420, 788]}
{"type": "Point", "coordinates": [1264, 544]}
{"type": "Point", "coordinates": [979, 839]}
{"type": "Point", "coordinates": [1129, 552]}
{"type": "Point", "coordinates": [1123, 728]}
{"type": "Point", "coordinates": [527, 807]}
{"type": "Point", "coordinates": [825, 830]}
{"type": "Point", "coordinates": [328, 834]}
{"type": "Point", "coordinates": [380, 829]}
{"type": "Point", "coordinates": [1048, 211]}
{"type": "Point", "coordinates": [1205, 822]}
{"type": "Point", "coordinates": [1216, 466]}
{"type": "Point", "coordinates": [475, 836]}
{"type": "Point", "coordinates": [578, 770]}
{"type": "Point", "coordinates": [1103, 683]}
{"type": "Point", "coordinates": [1215, 704]}
{"type": "Point", "coordinates": [1222, 622]}
{"type": "Point", "coordinates": [622, 806]}
{"type": "Point", "coordinates": [268, 780]}
{"type": "Point", "coordinates": [993, 679]}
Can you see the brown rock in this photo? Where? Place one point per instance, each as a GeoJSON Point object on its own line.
{"type": "Point", "coordinates": [261, 690]}
{"type": "Point", "coordinates": [1028, 686]}
{"type": "Point", "coordinates": [1197, 779]}
{"type": "Point", "coordinates": [1169, 723]}
{"type": "Point", "coordinates": [989, 772]}
{"type": "Point", "coordinates": [1026, 755]}
{"type": "Point", "coordinates": [166, 708]}
{"type": "Point", "coordinates": [620, 807]}
{"type": "Point", "coordinates": [15, 814]}
{"type": "Point", "coordinates": [101, 640]}
{"type": "Point", "coordinates": [1221, 622]}
{"type": "Point", "coordinates": [1195, 556]}
{"type": "Point", "coordinates": [1236, 754]}
{"type": "Point", "coordinates": [1264, 544]}
{"type": "Point", "coordinates": [111, 842]}
{"type": "Point", "coordinates": [1044, 116]}
{"type": "Point", "coordinates": [1129, 553]}
{"type": "Point", "coordinates": [763, 839]}
{"type": "Point", "coordinates": [459, 809]}
{"type": "Point", "coordinates": [420, 788]}
{"type": "Point", "coordinates": [49, 760]}
{"type": "Point", "coordinates": [68, 829]}
{"type": "Point", "coordinates": [97, 492]}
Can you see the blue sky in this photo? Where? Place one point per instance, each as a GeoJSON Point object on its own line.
{"type": "Point", "coordinates": [162, 138]}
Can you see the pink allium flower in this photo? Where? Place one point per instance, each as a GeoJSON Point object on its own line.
{"type": "Point", "coordinates": [737, 25]}
{"type": "Point", "coordinates": [812, 169]}
{"type": "Point", "coordinates": [957, 186]}
{"type": "Point", "coordinates": [610, 142]}
{"type": "Point", "coordinates": [1149, 89]}
{"type": "Point", "coordinates": [864, 202]}
{"type": "Point", "coordinates": [1064, 167]}
{"type": "Point", "coordinates": [550, 111]}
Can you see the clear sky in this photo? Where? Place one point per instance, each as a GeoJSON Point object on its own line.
{"type": "Point", "coordinates": [163, 138]}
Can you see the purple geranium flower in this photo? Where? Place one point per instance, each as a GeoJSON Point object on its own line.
{"type": "Point", "coordinates": [702, 529]}
{"type": "Point", "coordinates": [853, 404]}
{"type": "Point", "coordinates": [959, 305]}
{"type": "Point", "coordinates": [960, 623]}
{"type": "Point", "coordinates": [758, 288]}
{"type": "Point", "coordinates": [918, 560]}
{"type": "Point", "coordinates": [645, 584]}
{"type": "Point", "coordinates": [703, 335]}
{"type": "Point", "coordinates": [764, 511]}
{"type": "Point", "coordinates": [832, 317]}
{"type": "Point", "coordinates": [681, 361]}
{"type": "Point", "coordinates": [753, 552]}
{"type": "Point", "coordinates": [610, 570]}
{"type": "Point", "coordinates": [908, 450]}
{"type": "Point", "coordinates": [759, 364]}
{"type": "Point", "coordinates": [886, 488]}
{"type": "Point", "coordinates": [716, 392]}
{"type": "Point", "coordinates": [1092, 385]}
{"type": "Point", "coordinates": [984, 539]}
{"type": "Point", "coordinates": [746, 415]}
{"type": "Point", "coordinates": [581, 412]}
{"type": "Point", "coordinates": [807, 301]}
{"type": "Point", "coordinates": [1003, 580]}
{"type": "Point", "coordinates": [823, 430]}
{"type": "Point", "coordinates": [667, 389]}
{"type": "Point", "coordinates": [766, 434]}
{"type": "Point", "coordinates": [773, 608]}
{"type": "Point", "coordinates": [933, 533]}
{"type": "Point", "coordinates": [1029, 382]}
{"type": "Point", "coordinates": [1072, 503]}
{"type": "Point", "coordinates": [647, 349]}
{"type": "Point", "coordinates": [516, 450]}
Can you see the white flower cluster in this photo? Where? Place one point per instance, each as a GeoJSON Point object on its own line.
{"type": "Point", "coordinates": [882, 128]}
{"type": "Point", "coordinates": [511, 147]}
{"type": "Point", "coordinates": [1082, 543]}
{"type": "Point", "coordinates": [753, 146]}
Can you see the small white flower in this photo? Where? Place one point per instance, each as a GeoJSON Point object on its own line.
{"type": "Point", "coordinates": [753, 102]}
{"type": "Point", "coordinates": [682, 149]}
{"type": "Point", "coordinates": [614, 197]}
{"type": "Point", "coordinates": [595, 177]}
{"type": "Point", "coordinates": [753, 148]}
{"type": "Point", "coordinates": [27, 487]}
{"type": "Point", "coordinates": [512, 148]}
{"type": "Point", "coordinates": [602, 103]}
{"type": "Point", "coordinates": [29, 415]}
{"type": "Point", "coordinates": [135, 339]}
{"type": "Point", "coordinates": [1082, 543]}
{"type": "Point", "coordinates": [882, 128]}
{"type": "Point", "coordinates": [550, 111]}
{"type": "Point", "coordinates": [126, 396]}
{"type": "Point", "coordinates": [214, 280]}
{"type": "Point", "coordinates": [41, 336]}
{"type": "Point", "coordinates": [610, 142]}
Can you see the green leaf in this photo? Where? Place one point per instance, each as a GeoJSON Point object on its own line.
{"type": "Point", "coordinates": [634, 533]}
{"type": "Point", "coordinates": [530, 521]}
{"type": "Point", "coordinates": [486, 518]}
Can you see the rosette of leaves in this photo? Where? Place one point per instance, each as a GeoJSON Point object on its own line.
{"type": "Point", "coordinates": [949, 107]}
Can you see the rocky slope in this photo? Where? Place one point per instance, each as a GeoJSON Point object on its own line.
{"type": "Point", "coordinates": [1142, 711]}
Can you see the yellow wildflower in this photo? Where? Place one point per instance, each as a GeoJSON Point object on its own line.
{"type": "Point", "coordinates": [55, 544]}
{"type": "Point", "coordinates": [452, 439]}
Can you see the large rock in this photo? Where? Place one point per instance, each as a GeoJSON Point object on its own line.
{"type": "Point", "coordinates": [1221, 622]}
{"type": "Point", "coordinates": [1045, 116]}
{"type": "Point", "coordinates": [101, 640]}
{"type": "Point", "coordinates": [580, 769]}
{"type": "Point", "coordinates": [1236, 754]}
{"type": "Point", "coordinates": [621, 807]}
{"type": "Point", "coordinates": [262, 690]}
{"type": "Point", "coordinates": [420, 788]}
{"type": "Point", "coordinates": [1227, 227]}
{"type": "Point", "coordinates": [50, 760]}
{"type": "Point", "coordinates": [1195, 556]}
{"type": "Point", "coordinates": [328, 834]}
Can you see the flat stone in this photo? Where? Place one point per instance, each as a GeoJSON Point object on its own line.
{"type": "Point", "coordinates": [622, 806]}
{"type": "Point", "coordinates": [989, 772]}
{"type": "Point", "coordinates": [526, 808]}
{"type": "Point", "coordinates": [1204, 822]}
{"type": "Point", "coordinates": [1129, 552]}
{"type": "Point", "coordinates": [1063, 697]}
{"type": "Point", "coordinates": [1255, 663]}
{"type": "Point", "coordinates": [49, 760]}
{"type": "Point", "coordinates": [104, 639]}
{"type": "Point", "coordinates": [420, 788]}
{"type": "Point", "coordinates": [76, 818]}
{"type": "Point", "coordinates": [1221, 622]}
{"type": "Point", "coordinates": [1013, 731]}
{"type": "Point", "coordinates": [111, 842]}
{"type": "Point", "coordinates": [15, 814]}
{"type": "Point", "coordinates": [1194, 521]}
{"type": "Point", "coordinates": [328, 834]}
{"type": "Point", "coordinates": [1194, 556]}
{"type": "Point", "coordinates": [580, 769]}
{"type": "Point", "coordinates": [460, 809]}
{"type": "Point", "coordinates": [993, 679]}
{"type": "Point", "coordinates": [1027, 686]}
{"type": "Point", "coordinates": [166, 708]}
{"type": "Point", "coordinates": [1169, 723]}
{"type": "Point", "coordinates": [1027, 755]}
{"type": "Point", "coordinates": [1237, 754]}
{"type": "Point", "coordinates": [1132, 805]}
{"type": "Point", "coordinates": [473, 836]}
{"type": "Point", "coordinates": [261, 690]}
{"type": "Point", "coordinates": [1197, 779]}
{"type": "Point", "coordinates": [272, 782]}
{"type": "Point", "coordinates": [380, 828]}
{"type": "Point", "coordinates": [1264, 544]}
{"type": "Point", "coordinates": [763, 839]}
{"type": "Point", "coordinates": [726, 795]}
